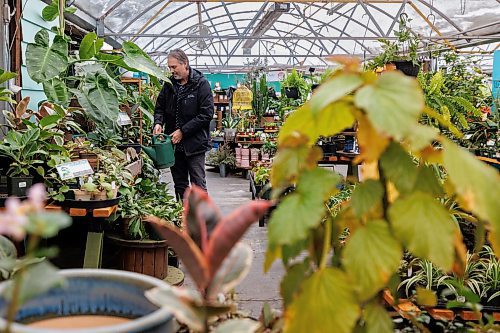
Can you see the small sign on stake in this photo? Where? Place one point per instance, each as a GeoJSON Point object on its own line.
{"type": "Point", "coordinates": [74, 169]}
{"type": "Point", "coordinates": [124, 119]}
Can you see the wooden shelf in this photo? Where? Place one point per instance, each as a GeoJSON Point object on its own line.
{"type": "Point", "coordinates": [341, 152]}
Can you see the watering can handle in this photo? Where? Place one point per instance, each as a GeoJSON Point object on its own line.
{"type": "Point", "coordinates": [155, 137]}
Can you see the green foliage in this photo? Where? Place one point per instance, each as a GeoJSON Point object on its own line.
{"type": "Point", "coordinates": [296, 80]}
{"type": "Point", "coordinates": [223, 155]}
{"type": "Point", "coordinates": [261, 175]}
{"type": "Point", "coordinates": [5, 94]}
{"type": "Point", "coordinates": [404, 48]}
{"type": "Point", "coordinates": [395, 208]}
{"type": "Point", "coordinates": [260, 92]}
{"type": "Point", "coordinates": [44, 61]}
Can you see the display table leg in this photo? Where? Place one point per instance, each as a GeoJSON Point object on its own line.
{"type": "Point", "coordinates": [93, 250]}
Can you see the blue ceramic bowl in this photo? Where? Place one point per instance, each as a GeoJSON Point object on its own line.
{"type": "Point", "coordinates": [96, 292]}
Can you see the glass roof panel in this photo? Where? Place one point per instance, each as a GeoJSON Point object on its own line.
{"type": "Point", "coordinates": [299, 35]}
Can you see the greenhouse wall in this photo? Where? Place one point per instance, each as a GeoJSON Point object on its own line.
{"type": "Point", "coordinates": [228, 80]}
{"type": "Point", "coordinates": [496, 76]}
{"type": "Point", "coordinates": [31, 23]}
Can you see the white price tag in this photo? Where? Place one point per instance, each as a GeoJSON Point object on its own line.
{"type": "Point", "coordinates": [490, 143]}
{"type": "Point", "coordinates": [467, 136]}
{"type": "Point", "coordinates": [124, 119]}
{"type": "Point", "coordinates": [74, 169]}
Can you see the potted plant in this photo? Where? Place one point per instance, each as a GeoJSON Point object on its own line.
{"type": "Point", "coordinates": [24, 154]}
{"type": "Point", "coordinates": [229, 123]}
{"type": "Point", "coordinates": [295, 86]}
{"type": "Point", "coordinates": [269, 149]}
{"type": "Point", "coordinates": [402, 52]}
{"type": "Point", "coordinates": [261, 177]}
{"type": "Point", "coordinates": [226, 159]}
{"type": "Point", "coordinates": [37, 298]}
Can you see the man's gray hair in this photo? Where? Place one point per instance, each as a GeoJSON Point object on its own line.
{"type": "Point", "coordinates": [179, 55]}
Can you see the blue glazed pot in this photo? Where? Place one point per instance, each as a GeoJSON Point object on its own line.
{"type": "Point", "coordinates": [96, 292]}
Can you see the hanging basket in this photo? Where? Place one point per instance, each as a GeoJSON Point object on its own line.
{"type": "Point", "coordinates": [407, 67]}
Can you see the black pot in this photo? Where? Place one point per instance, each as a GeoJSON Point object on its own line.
{"type": "Point", "coordinates": [18, 186]}
{"type": "Point", "coordinates": [407, 67]}
{"type": "Point", "coordinates": [173, 260]}
{"type": "Point", "coordinates": [292, 92]}
{"type": "Point", "coordinates": [223, 170]}
{"type": "Point", "coordinates": [136, 146]}
{"type": "Point", "coordinates": [3, 185]}
{"type": "Point", "coordinates": [314, 86]}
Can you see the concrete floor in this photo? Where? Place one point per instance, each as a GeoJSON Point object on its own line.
{"type": "Point", "coordinates": [257, 288]}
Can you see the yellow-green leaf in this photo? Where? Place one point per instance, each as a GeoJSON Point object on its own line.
{"type": "Point", "coordinates": [425, 227]}
{"type": "Point", "coordinates": [326, 304]}
{"type": "Point", "coordinates": [334, 118]}
{"type": "Point", "coordinates": [333, 90]}
{"type": "Point", "coordinates": [427, 181]}
{"type": "Point", "coordinates": [366, 195]}
{"type": "Point", "coordinates": [477, 185]}
{"type": "Point", "coordinates": [426, 297]}
{"type": "Point", "coordinates": [303, 209]}
{"type": "Point", "coordinates": [371, 143]}
{"type": "Point", "coordinates": [398, 167]}
{"type": "Point", "coordinates": [300, 121]}
{"type": "Point", "coordinates": [290, 284]}
{"type": "Point", "coordinates": [377, 320]}
{"type": "Point", "coordinates": [289, 162]}
{"type": "Point", "coordinates": [371, 256]}
{"type": "Point", "coordinates": [393, 103]}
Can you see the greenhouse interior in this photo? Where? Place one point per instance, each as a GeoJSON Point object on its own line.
{"type": "Point", "coordinates": [249, 167]}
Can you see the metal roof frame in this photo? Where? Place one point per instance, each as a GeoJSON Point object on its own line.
{"type": "Point", "coordinates": [311, 41]}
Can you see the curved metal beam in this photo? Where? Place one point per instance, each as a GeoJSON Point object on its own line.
{"type": "Point", "coordinates": [440, 13]}
{"type": "Point", "coordinates": [147, 10]}
{"type": "Point", "coordinates": [111, 9]}
{"type": "Point", "coordinates": [245, 12]}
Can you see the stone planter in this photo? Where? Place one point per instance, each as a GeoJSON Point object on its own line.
{"type": "Point", "coordinates": [102, 296]}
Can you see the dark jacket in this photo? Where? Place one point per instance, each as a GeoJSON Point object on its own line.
{"type": "Point", "coordinates": [196, 111]}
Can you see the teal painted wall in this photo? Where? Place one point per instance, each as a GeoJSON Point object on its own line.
{"type": "Point", "coordinates": [496, 75]}
{"type": "Point", "coordinates": [228, 80]}
{"type": "Point", "coordinates": [31, 23]}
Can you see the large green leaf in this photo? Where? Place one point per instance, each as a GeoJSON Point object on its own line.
{"type": "Point", "coordinates": [333, 90]}
{"type": "Point", "coordinates": [366, 195]}
{"type": "Point", "coordinates": [49, 121]}
{"type": "Point", "coordinates": [393, 103]}
{"type": "Point", "coordinates": [90, 45]}
{"type": "Point", "coordinates": [398, 167]}
{"type": "Point", "coordinates": [303, 209]}
{"type": "Point", "coordinates": [425, 227]}
{"type": "Point", "coordinates": [30, 136]}
{"type": "Point", "coordinates": [477, 186]}
{"type": "Point", "coordinates": [371, 256]}
{"type": "Point", "coordinates": [45, 62]}
{"type": "Point", "coordinates": [6, 76]}
{"type": "Point", "coordinates": [115, 60]}
{"type": "Point", "coordinates": [106, 101]}
{"type": "Point", "coordinates": [299, 121]}
{"type": "Point", "coordinates": [333, 118]}
{"type": "Point", "coordinates": [427, 181]}
{"type": "Point", "coordinates": [56, 91]}
{"type": "Point", "coordinates": [291, 161]}
{"type": "Point", "coordinates": [138, 59]}
{"type": "Point", "coordinates": [7, 249]}
{"type": "Point", "coordinates": [51, 12]}
{"type": "Point", "coordinates": [377, 320]}
{"type": "Point", "coordinates": [48, 224]}
{"type": "Point", "coordinates": [326, 304]}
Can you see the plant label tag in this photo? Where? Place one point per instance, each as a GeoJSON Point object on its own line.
{"type": "Point", "coordinates": [124, 119]}
{"type": "Point", "coordinates": [74, 169]}
{"type": "Point", "coordinates": [490, 143]}
{"type": "Point", "coordinates": [22, 184]}
{"type": "Point", "coordinates": [467, 136]}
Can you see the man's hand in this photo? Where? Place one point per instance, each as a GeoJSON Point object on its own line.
{"type": "Point", "coordinates": [176, 136]}
{"type": "Point", "coordinates": [158, 129]}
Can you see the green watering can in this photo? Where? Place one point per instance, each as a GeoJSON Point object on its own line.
{"type": "Point", "coordinates": [161, 151]}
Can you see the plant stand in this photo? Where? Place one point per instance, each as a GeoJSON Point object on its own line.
{"type": "Point", "coordinates": [147, 257]}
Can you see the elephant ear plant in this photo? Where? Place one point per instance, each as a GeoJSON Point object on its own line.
{"type": "Point", "coordinates": [98, 92]}
{"type": "Point", "coordinates": [208, 246]}
{"type": "Point", "coordinates": [394, 208]}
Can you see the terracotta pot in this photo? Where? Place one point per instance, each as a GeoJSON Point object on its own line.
{"type": "Point", "coordinates": [94, 292]}
{"type": "Point", "coordinates": [82, 195]}
{"type": "Point", "coordinates": [100, 195]}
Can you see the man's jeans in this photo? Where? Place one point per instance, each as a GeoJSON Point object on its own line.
{"type": "Point", "coordinates": [186, 169]}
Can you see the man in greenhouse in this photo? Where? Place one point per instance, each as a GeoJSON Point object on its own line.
{"type": "Point", "coordinates": [185, 108]}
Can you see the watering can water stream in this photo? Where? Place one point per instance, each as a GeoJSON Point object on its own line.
{"type": "Point", "coordinates": [161, 151]}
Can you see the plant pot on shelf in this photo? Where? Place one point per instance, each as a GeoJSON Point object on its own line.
{"type": "Point", "coordinates": [149, 257]}
{"type": "Point", "coordinates": [82, 195]}
{"type": "Point", "coordinates": [223, 170]}
{"type": "Point", "coordinates": [245, 153]}
{"type": "Point", "coordinates": [92, 300]}
{"type": "Point", "coordinates": [100, 195]}
{"type": "Point", "coordinates": [229, 133]}
{"type": "Point", "coordinates": [136, 146]}
{"type": "Point", "coordinates": [292, 92]}
{"type": "Point", "coordinates": [407, 67]}
{"type": "Point", "coordinates": [18, 186]}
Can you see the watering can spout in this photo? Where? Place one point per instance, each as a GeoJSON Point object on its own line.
{"type": "Point", "coordinates": [161, 152]}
